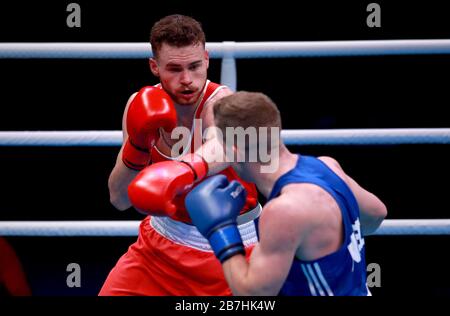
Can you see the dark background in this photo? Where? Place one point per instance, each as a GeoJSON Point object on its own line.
{"type": "Point", "coordinates": [41, 183]}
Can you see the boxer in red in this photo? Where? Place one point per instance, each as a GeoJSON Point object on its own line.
{"type": "Point", "coordinates": [13, 280]}
{"type": "Point", "coordinates": [170, 256]}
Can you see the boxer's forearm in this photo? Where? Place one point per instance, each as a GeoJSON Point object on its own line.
{"type": "Point", "coordinates": [244, 279]}
{"type": "Point", "coordinates": [118, 182]}
{"type": "Point", "coordinates": [263, 274]}
{"type": "Point", "coordinates": [213, 153]}
{"type": "Point", "coordinates": [236, 274]}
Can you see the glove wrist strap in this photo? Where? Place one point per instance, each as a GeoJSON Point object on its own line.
{"type": "Point", "coordinates": [134, 157]}
{"type": "Point", "coordinates": [226, 242]}
{"type": "Point", "coordinates": [197, 164]}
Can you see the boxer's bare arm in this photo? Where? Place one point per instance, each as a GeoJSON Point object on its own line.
{"type": "Point", "coordinates": [121, 176]}
{"type": "Point", "coordinates": [208, 110]}
{"type": "Point", "coordinates": [212, 149]}
{"type": "Point", "coordinates": [372, 209]}
{"type": "Point", "coordinates": [271, 259]}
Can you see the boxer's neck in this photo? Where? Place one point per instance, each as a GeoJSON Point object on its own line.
{"type": "Point", "coordinates": [265, 181]}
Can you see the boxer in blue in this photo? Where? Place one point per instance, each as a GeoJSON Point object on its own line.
{"type": "Point", "coordinates": [312, 228]}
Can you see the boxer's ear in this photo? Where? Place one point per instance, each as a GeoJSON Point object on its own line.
{"type": "Point", "coordinates": [154, 66]}
{"type": "Point", "coordinates": [207, 59]}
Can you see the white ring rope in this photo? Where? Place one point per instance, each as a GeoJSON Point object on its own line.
{"type": "Point", "coordinates": [130, 228]}
{"type": "Point", "coordinates": [230, 49]}
{"type": "Point", "coordinates": [414, 227]}
{"type": "Point", "coordinates": [69, 228]}
{"type": "Point", "coordinates": [290, 137]}
{"type": "Point", "coordinates": [61, 138]}
{"type": "Point", "coordinates": [226, 50]}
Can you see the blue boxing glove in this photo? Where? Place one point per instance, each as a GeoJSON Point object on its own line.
{"type": "Point", "coordinates": [214, 206]}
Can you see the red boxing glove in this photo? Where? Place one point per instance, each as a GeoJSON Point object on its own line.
{"type": "Point", "coordinates": [150, 109]}
{"type": "Point", "coordinates": [154, 189]}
